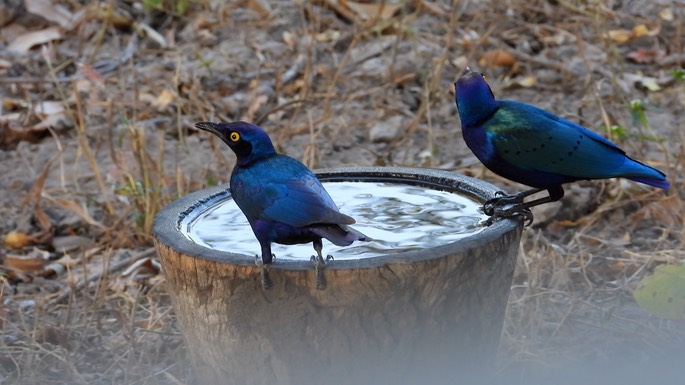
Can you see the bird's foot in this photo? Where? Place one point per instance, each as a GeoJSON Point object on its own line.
{"type": "Point", "coordinates": [508, 212]}
{"type": "Point", "coordinates": [329, 258]}
{"type": "Point", "coordinates": [260, 261]}
{"type": "Point", "coordinates": [319, 266]}
{"type": "Point", "coordinates": [500, 199]}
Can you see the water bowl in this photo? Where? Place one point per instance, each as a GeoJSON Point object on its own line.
{"type": "Point", "coordinates": [424, 301]}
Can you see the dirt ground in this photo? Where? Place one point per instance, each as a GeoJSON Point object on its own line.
{"type": "Point", "coordinates": [96, 135]}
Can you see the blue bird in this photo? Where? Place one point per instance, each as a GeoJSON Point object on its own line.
{"type": "Point", "coordinates": [531, 146]}
{"type": "Point", "coordinates": [284, 202]}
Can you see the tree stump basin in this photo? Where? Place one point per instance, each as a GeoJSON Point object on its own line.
{"type": "Point", "coordinates": [391, 313]}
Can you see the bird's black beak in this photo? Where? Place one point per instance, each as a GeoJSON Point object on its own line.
{"type": "Point", "coordinates": [467, 70]}
{"type": "Point", "coordinates": [208, 126]}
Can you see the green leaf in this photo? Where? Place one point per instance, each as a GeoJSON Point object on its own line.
{"type": "Point", "coordinates": [181, 6]}
{"type": "Point", "coordinates": [679, 74]}
{"type": "Point", "coordinates": [663, 292]}
{"type": "Point", "coordinates": [152, 4]}
{"type": "Point", "coordinates": [617, 131]}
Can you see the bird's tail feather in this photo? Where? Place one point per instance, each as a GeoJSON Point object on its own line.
{"type": "Point", "coordinates": [340, 235]}
{"type": "Point", "coordinates": [660, 183]}
{"type": "Point", "coordinates": [640, 172]}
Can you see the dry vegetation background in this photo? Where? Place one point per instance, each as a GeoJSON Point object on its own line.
{"type": "Point", "coordinates": [96, 135]}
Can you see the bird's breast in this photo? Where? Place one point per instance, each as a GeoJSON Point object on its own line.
{"type": "Point", "coordinates": [480, 143]}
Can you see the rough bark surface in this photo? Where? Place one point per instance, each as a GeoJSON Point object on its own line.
{"type": "Point", "coordinates": [432, 321]}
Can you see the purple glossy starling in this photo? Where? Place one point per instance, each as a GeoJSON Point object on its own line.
{"type": "Point", "coordinates": [531, 146]}
{"type": "Point", "coordinates": [284, 202]}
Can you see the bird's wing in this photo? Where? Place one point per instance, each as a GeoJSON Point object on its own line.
{"type": "Point", "coordinates": [534, 139]}
{"type": "Point", "coordinates": [283, 190]}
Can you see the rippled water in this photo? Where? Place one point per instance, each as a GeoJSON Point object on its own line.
{"type": "Point", "coordinates": [398, 217]}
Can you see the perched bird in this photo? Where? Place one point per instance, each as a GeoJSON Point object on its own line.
{"type": "Point", "coordinates": [531, 146]}
{"type": "Point", "coordinates": [284, 202]}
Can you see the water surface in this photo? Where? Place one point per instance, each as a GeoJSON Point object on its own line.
{"type": "Point", "coordinates": [398, 217]}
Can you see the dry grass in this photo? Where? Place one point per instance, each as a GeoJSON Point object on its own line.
{"type": "Point", "coordinates": [319, 81]}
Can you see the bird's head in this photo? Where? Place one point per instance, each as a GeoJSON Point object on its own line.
{"type": "Point", "coordinates": [475, 100]}
{"type": "Point", "coordinates": [248, 141]}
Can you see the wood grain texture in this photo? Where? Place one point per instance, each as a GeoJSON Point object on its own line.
{"type": "Point", "coordinates": [432, 316]}
{"type": "Point", "coordinates": [434, 320]}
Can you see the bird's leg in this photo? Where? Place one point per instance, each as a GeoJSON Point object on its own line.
{"type": "Point", "coordinates": [319, 264]}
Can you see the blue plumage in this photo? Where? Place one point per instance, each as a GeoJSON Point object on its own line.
{"type": "Point", "coordinates": [284, 202]}
{"type": "Point", "coordinates": [531, 146]}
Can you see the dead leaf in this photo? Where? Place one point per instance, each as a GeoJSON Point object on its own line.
{"type": "Point", "coordinates": [29, 40]}
{"type": "Point", "coordinates": [33, 197]}
{"type": "Point", "coordinates": [382, 10]}
{"type": "Point", "coordinates": [262, 7]}
{"type": "Point", "coordinates": [46, 108]}
{"type": "Point", "coordinates": [137, 273]}
{"type": "Point", "coordinates": [10, 117]}
{"type": "Point", "coordinates": [431, 7]}
{"type": "Point", "coordinates": [17, 239]}
{"type": "Point", "coordinates": [34, 261]}
{"type": "Point", "coordinates": [620, 35]}
{"type": "Point", "coordinates": [497, 58]}
{"type": "Point", "coordinates": [53, 12]}
{"type": "Point", "coordinates": [289, 38]}
{"type": "Point", "coordinates": [113, 16]}
{"type": "Point", "coordinates": [328, 36]}
{"type": "Point", "coordinates": [145, 266]}
{"type": "Point", "coordinates": [57, 121]}
{"type": "Point", "coordinates": [164, 99]}
{"type": "Point", "coordinates": [666, 14]}
{"type": "Point", "coordinates": [60, 266]}
{"type": "Point", "coordinates": [647, 82]}
{"type": "Point", "coordinates": [646, 56]}
{"type": "Point", "coordinates": [525, 82]}
{"type": "Point", "coordinates": [642, 30]}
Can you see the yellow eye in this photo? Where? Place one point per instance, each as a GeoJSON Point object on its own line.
{"type": "Point", "coordinates": [234, 136]}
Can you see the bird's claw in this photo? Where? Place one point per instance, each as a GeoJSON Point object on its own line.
{"type": "Point", "coordinates": [508, 212]}
{"type": "Point", "coordinates": [318, 261]}
{"type": "Point", "coordinates": [260, 261]}
{"type": "Point", "coordinates": [329, 258]}
{"type": "Point", "coordinates": [501, 198]}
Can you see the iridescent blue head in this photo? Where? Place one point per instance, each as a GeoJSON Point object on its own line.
{"type": "Point", "coordinates": [475, 100]}
{"type": "Point", "coordinates": [248, 142]}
